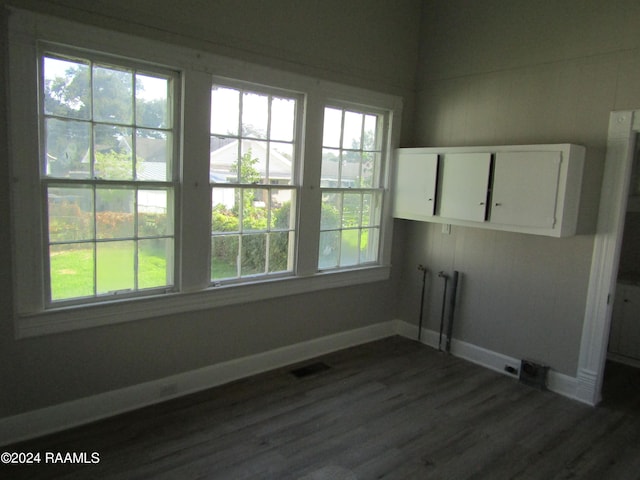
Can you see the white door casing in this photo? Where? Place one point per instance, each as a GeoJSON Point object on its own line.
{"type": "Point", "coordinates": [623, 128]}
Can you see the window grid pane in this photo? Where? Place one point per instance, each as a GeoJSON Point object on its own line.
{"type": "Point", "coordinates": [252, 173]}
{"type": "Point", "coordinates": [106, 238]}
{"type": "Point", "coordinates": [351, 189]}
{"type": "Point", "coordinates": [252, 231]}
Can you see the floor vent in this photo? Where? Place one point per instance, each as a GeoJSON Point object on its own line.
{"type": "Point", "coordinates": [311, 369]}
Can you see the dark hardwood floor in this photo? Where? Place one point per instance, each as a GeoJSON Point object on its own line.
{"type": "Point", "coordinates": [390, 409]}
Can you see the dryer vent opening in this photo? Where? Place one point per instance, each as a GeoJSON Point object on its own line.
{"type": "Point", "coordinates": [533, 374]}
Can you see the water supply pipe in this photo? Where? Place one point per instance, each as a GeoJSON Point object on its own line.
{"type": "Point", "coordinates": [423, 269]}
{"type": "Point", "coordinates": [444, 304]}
{"type": "Point", "coordinates": [452, 308]}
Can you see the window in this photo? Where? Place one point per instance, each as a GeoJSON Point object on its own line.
{"type": "Point", "coordinates": [352, 188]}
{"type": "Point", "coordinates": [107, 153]}
{"type": "Point", "coordinates": [151, 179]}
{"type": "Point", "coordinates": [253, 181]}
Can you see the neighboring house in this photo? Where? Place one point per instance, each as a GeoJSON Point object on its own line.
{"type": "Point", "coordinates": [273, 166]}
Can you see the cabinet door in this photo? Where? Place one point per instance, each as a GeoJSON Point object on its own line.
{"type": "Point", "coordinates": [415, 189]}
{"type": "Point", "coordinates": [465, 180]}
{"type": "Point", "coordinates": [525, 188]}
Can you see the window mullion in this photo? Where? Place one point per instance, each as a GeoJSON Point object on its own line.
{"type": "Point", "coordinates": [195, 225]}
{"type": "Point", "coordinates": [240, 136]}
{"type": "Point", "coordinates": [267, 178]}
{"type": "Point", "coordinates": [241, 191]}
{"type": "Point", "coordinates": [136, 238]}
{"type": "Point", "coordinates": [310, 193]}
{"type": "Point", "coordinates": [94, 212]}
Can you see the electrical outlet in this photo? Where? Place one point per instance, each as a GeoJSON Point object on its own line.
{"type": "Point", "coordinates": [511, 370]}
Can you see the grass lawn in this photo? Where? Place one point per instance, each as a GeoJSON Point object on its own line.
{"type": "Point", "coordinates": [72, 271]}
{"type": "Point", "coordinates": [221, 269]}
{"type": "Point", "coordinates": [73, 276]}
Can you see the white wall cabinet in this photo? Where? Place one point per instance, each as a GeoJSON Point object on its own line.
{"type": "Point", "coordinates": [465, 183]}
{"type": "Point", "coordinates": [526, 188]}
{"type": "Point", "coordinates": [416, 176]}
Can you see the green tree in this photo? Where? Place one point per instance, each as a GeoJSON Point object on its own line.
{"type": "Point", "coordinates": [253, 217]}
{"type": "Point", "coordinates": [103, 94]}
{"type": "Point", "coordinates": [247, 167]}
{"type": "Point", "coordinates": [112, 165]}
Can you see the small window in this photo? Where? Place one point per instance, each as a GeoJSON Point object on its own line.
{"type": "Point", "coordinates": [352, 190]}
{"type": "Point", "coordinates": [107, 173]}
{"type": "Point", "coordinates": [253, 183]}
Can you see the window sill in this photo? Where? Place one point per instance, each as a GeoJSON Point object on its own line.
{"type": "Point", "coordinates": [108, 313]}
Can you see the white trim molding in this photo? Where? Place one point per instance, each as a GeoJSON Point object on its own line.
{"type": "Point", "coordinates": [107, 313]}
{"type": "Point", "coordinates": [557, 382]}
{"type": "Point", "coordinates": [623, 126]}
{"type": "Point", "coordinates": [90, 409]}
{"type": "Point", "coordinates": [82, 411]}
{"type": "Point", "coordinates": [587, 387]}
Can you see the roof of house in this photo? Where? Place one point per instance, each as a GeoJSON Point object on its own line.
{"type": "Point", "coordinates": [272, 165]}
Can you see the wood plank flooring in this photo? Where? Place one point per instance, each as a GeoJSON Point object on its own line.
{"type": "Point", "coordinates": [392, 409]}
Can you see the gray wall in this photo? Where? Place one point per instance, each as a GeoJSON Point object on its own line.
{"type": "Point", "coordinates": [518, 72]}
{"type": "Point", "coordinates": [371, 44]}
{"type": "Point", "coordinates": [489, 72]}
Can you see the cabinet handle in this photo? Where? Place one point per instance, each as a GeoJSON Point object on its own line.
{"type": "Point", "coordinates": [481, 203]}
{"type": "Point", "coordinates": [498, 204]}
{"type": "Point", "coordinates": [430, 200]}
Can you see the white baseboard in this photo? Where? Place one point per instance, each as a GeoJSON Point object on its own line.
{"type": "Point", "coordinates": [566, 386]}
{"type": "Point", "coordinates": [89, 409]}
{"type": "Point", "coordinates": [632, 362]}
{"type": "Point", "coordinates": [586, 387]}
{"type": "Point", "coordinates": [96, 407]}
{"type": "Point", "coordinates": [556, 382]}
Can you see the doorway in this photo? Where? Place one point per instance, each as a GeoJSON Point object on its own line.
{"type": "Point", "coordinates": [624, 127]}
{"type": "Point", "coordinates": [624, 336]}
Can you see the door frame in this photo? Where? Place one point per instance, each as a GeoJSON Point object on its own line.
{"type": "Point", "coordinates": [623, 129]}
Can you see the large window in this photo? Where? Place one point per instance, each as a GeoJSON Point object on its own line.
{"type": "Point", "coordinates": [150, 179]}
{"type": "Point", "coordinates": [253, 180]}
{"type": "Point", "coordinates": [352, 188]}
{"type": "Point", "coordinates": [107, 153]}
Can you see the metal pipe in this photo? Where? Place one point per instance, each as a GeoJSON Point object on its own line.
{"type": "Point", "coordinates": [452, 308]}
{"type": "Point", "coordinates": [444, 304]}
{"type": "Point", "coordinates": [423, 269]}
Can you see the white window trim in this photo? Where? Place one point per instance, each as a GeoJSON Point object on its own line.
{"type": "Point", "coordinates": [198, 69]}
{"type": "Point", "coordinates": [382, 182]}
{"type": "Point", "coordinates": [172, 183]}
{"type": "Point", "coordinates": [298, 144]}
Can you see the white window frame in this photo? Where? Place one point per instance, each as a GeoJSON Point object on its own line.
{"type": "Point", "coordinates": [380, 179]}
{"type": "Point", "coordinates": [198, 70]}
{"type": "Point", "coordinates": [296, 180]}
{"type": "Point", "coordinates": [171, 184]}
